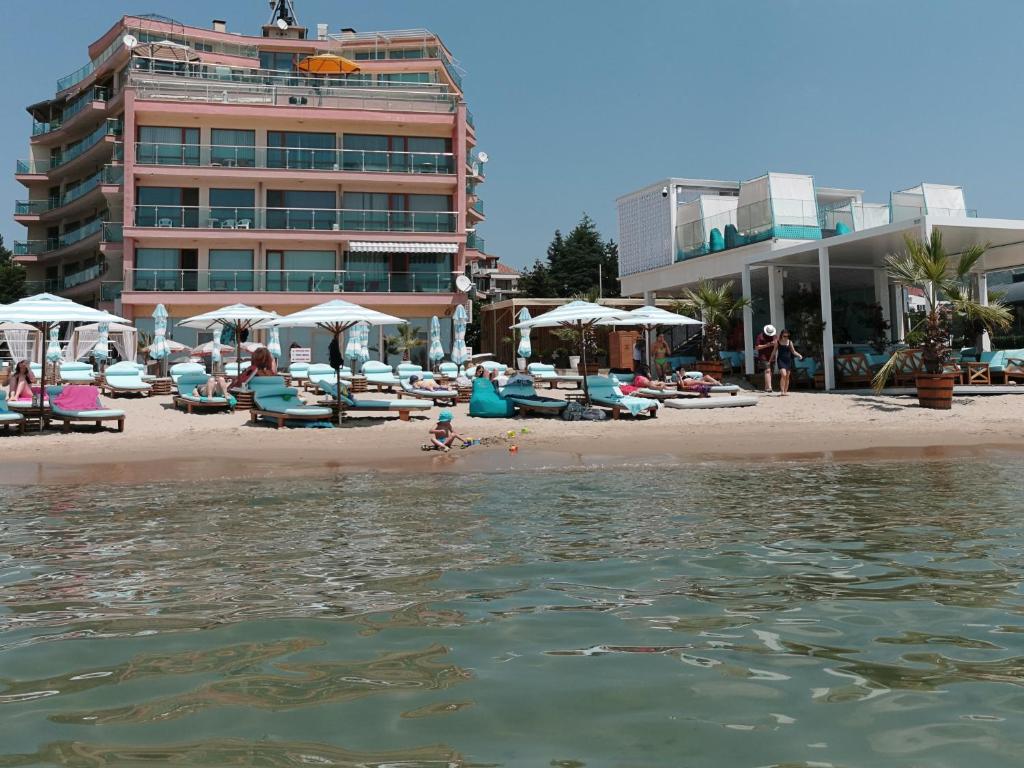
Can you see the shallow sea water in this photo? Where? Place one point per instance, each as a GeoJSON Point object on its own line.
{"type": "Point", "coordinates": [705, 615]}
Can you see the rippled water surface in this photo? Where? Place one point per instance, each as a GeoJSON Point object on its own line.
{"type": "Point", "coordinates": [706, 615]}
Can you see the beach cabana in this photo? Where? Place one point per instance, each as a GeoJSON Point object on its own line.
{"type": "Point", "coordinates": [22, 340]}
{"type": "Point", "coordinates": [336, 317]}
{"type": "Point", "coordinates": [45, 311]}
{"type": "Point", "coordinates": [124, 338]}
{"type": "Point", "coordinates": [579, 316]}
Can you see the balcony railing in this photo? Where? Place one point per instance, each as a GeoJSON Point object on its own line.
{"type": "Point", "coordinates": [287, 281]}
{"type": "Point", "coordinates": [110, 290]}
{"type": "Point", "coordinates": [475, 242]}
{"type": "Point", "coordinates": [754, 223]}
{"type": "Point", "coordinates": [113, 232]}
{"type": "Point", "coordinates": [32, 166]}
{"type": "Point", "coordinates": [110, 127]}
{"type": "Point", "coordinates": [83, 276]}
{"type": "Point", "coordinates": [262, 90]}
{"type": "Point", "coordinates": [369, 161]}
{"type": "Point", "coordinates": [215, 217]}
{"type": "Point", "coordinates": [478, 206]}
{"type": "Point", "coordinates": [110, 174]}
{"type": "Point", "coordinates": [91, 95]}
{"type": "Point", "coordinates": [35, 207]}
{"type": "Point", "coordinates": [39, 247]}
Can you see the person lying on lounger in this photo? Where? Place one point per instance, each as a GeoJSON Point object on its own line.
{"type": "Point", "coordinates": [640, 382]}
{"type": "Point", "coordinates": [429, 385]}
{"type": "Point", "coordinates": [686, 381]}
{"type": "Point", "coordinates": [443, 436]}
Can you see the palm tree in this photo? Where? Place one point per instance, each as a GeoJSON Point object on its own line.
{"type": "Point", "coordinates": [406, 340]}
{"type": "Point", "coordinates": [947, 293]}
{"type": "Point", "coordinates": [717, 308]}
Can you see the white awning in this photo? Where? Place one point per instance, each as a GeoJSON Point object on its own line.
{"type": "Point", "coordinates": [365, 246]}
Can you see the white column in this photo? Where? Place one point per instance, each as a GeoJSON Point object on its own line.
{"type": "Point", "coordinates": [776, 306]}
{"type": "Point", "coordinates": [986, 341]}
{"type": "Point", "coordinates": [748, 323]}
{"type": "Point", "coordinates": [827, 353]}
{"type": "Point", "coordinates": [899, 313]}
{"type": "Point", "coordinates": [883, 297]}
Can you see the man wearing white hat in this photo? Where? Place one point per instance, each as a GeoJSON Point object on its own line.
{"type": "Point", "coordinates": [765, 345]}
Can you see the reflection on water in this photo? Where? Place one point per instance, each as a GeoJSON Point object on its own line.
{"type": "Point", "coordinates": [706, 615]}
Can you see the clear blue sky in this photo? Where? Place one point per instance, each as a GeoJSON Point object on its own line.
{"type": "Point", "coordinates": [580, 101]}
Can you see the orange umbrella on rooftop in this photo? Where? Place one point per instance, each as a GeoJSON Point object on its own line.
{"type": "Point", "coordinates": [328, 64]}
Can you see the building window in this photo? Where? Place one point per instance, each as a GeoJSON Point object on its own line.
{"type": "Point", "coordinates": [291, 149]}
{"type": "Point", "coordinates": [406, 77]}
{"type": "Point", "coordinates": [233, 148]}
{"type": "Point", "coordinates": [231, 270]}
{"type": "Point", "coordinates": [165, 269]}
{"type": "Point", "coordinates": [301, 209]}
{"type": "Point", "coordinates": [278, 60]}
{"type": "Point", "coordinates": [159, 145]}
{"type": "Point", "coordinates": [397, 154]}
{"type": "Point", "coordinates": [166, 207]}
{"type": "Point", "coordinates": [383, 212]}
{"type": "Point", "coordinates": [303, 271]}
{"type": "Point", "coordinates": [232, 208]}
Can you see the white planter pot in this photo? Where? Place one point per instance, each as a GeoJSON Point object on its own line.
{"type": "Point", "coordinates": [521, 363]}
{"type": "Point", "coordinates": [574, 362]}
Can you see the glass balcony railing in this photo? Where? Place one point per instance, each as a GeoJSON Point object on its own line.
{"type": "Point", "coordinates": [94, 94]}
{"type": "Point", "coordinates": [110, 290]}
{"type": "Point", "coordinates": [110, 127]}
{"type": "Point", "coordinates": [368, 161]}
{"type": "Point", "coordinates": [32, 166]}
{"type": "Point", "coordinates": [207, 217]}
{"type": "Point", "coordinates": [111, 174]}
{"type": "Point", "coordinates": [39, 247]}
{"type": "Point", "coordinates": [478, 206]}
{"type": "Point", "coordinates": [35, 207]}
{"type": "Point", "coordinates": [475, 242]}
{"type": "Point", "coordinates": [287, 281]}
{"type": "Point", "coordinates": [113, 232]}
{"type": "Point", "coordinates": [83, 276]}
{"type": "Point", "coordinates": [754, 223]}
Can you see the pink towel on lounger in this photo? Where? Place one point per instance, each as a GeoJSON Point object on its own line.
{"type": "Point", "coordinates": [75, 397]}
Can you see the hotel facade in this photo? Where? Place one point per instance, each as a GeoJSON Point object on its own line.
{"type": "Point", "coordinates": [780, 239]}
{"type": "Point", "coordinates": [198, 167]}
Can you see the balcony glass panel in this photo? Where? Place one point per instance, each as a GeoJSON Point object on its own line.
{"type": "Point", "coordinates": [233, 148]}
{"type": "Point", "coordinates": [177, 216]}
{"type": "Point", "coordinates": [287, 281]}
{"type": "Point", "coordinates": [231, 270]}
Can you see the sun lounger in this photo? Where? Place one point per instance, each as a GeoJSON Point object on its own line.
{"type": "Point", "coordinates": [542, 372]}
{"type": "Point", "coordinates": [280, 404]}
{"type": "Point", "coordinates": [180, 369]}
{"type": "Point", "coordinates": [298, 374]}
{"type": "Point", "coordinates": [93, 410]}
{"type": "Point", "coordinates": [125, 378]}
{"type": "Point", "coordinates": [665, 394]}
{"type": "Point", "coordinates": [9, 418]}
{"type": "Point", "coordinates": [521, 393]}
{"type": "Point", "coordinates": [349, 403]}
{"type": "Point", "coordinates": [317, 371]}
{"type": "Point", "coordinates": [380, 375]}
{"type": "Point", "coordinates": [449, 370]}
{"type": "Point", "coordinates": [438, 396]}
{"type": "Point", "coordinates": [187, 399]}
{"type": "Point", "coordinates": [77, 373]}
{"type": "Point", "coordinates": [605, 394]}
{"type": "Point", "coordinates": [231, 370]}
{"type": "Point", "coordinates": [712, 402]}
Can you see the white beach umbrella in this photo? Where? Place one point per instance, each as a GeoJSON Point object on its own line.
{"type": "Point", "coordinates": [649, 318]}
{"type": "Point", "coordinates": [102, 349]}
{"type": "Point", "coordinates": [580, 316]}
{"type": "Point", "coordinates": [435, 353]}
{"type": "Point", "coordinates": [216, 360]}
{"type": "Point", "coordinates": [354, 345]}
{"type": "Point", "coordinates": [45, 311]}
{"type": "Point", "coordinates": [238, 317]}
{"type": "Point", "coordinates": [274, 342]}
{"type": "Point", "coordinates": [336, 317]}
{"type": "Point", "coordinates": [364, 342]}
{"type": "Point", "coordinates": [525, 348]}
{"type": "Point", "coordinates": [53, 348]}
{"type": "Point", "coordinates": [460, 354]}
{"type": "Point", "coordinates": [159, 349]}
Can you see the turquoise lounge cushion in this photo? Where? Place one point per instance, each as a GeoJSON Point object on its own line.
{"type": "Point", "coordinates": [486, 403]}
{"type": "Point", "coordinates": [8, 416]}
{"type": "Point", "coordinates": [216, 400]}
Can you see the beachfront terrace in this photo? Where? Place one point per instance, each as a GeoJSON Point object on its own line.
{"type": "Point", "coordinates": [290, 158]}
{"type": "Point", "coordinates": [288, 281]}
{"type": "Point", "coordinates": [313, 219]}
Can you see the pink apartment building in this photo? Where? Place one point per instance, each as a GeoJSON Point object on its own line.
{"type": "Point", "coordinates": [199, 167]}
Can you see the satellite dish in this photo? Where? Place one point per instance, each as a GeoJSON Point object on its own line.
{"type": "Point", "coordinates": [282, 24]}
{"type": "Point", "coordinates": [130, 41]}
{"type": "Point", "coordinates": [463, 283]}
{"type": "Point", "coordinates": [482, 157]}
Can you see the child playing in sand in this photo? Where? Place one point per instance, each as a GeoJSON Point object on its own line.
{"type": "Point", "coordinates": [443, 436]}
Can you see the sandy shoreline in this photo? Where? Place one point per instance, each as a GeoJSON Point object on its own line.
{"type": "Point", "coordinates": [160, 442]}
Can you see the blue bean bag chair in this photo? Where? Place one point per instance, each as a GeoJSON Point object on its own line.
{"type": "Point", "coordinates": [486, 403]}
{"type": "Point", "coordinates": [716, 241]}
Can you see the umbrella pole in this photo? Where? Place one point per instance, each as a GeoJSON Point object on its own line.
{"type": "Point", "coordinates": [337, 378]}
{"type": "Point", "coordinates": [583, 357]}
{"type": "Point", "coordinates": [42, 384]}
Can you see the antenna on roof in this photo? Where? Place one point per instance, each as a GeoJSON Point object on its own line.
{"type": "Point", "coordinates": [283, 11]}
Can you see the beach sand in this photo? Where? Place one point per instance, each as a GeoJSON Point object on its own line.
{"type": "Point", "coordinates": [160, 442]}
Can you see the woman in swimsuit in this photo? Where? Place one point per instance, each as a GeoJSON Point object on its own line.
{"type": "Point", "coordinates": [661, 352]}
{"type": "Point", "coordinates": [20, 385]}
{"type": "Point", "coordinates": [784, 355]}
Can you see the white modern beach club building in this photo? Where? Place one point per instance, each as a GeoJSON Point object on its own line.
{"type": "Point", "coordinates": [782, 240]}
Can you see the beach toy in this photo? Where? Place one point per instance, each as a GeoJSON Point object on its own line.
{"type": "Point", "coordinates": [524, 430]}
{"type": "Point", "coordinates": [513, 449]}
{"type": "Point", "coordinates": [511, 433]}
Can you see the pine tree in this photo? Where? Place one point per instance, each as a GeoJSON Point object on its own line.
{"type": "Point", "coordinates": [12, 276]}
{"type": "Point", "coordinates": [576, 264]}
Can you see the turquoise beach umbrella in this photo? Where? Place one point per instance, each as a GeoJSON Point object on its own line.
{"type": "Point", "coordinates": [53, 349]}
{"type": "Point", "coordinates": [436, 352]}
{"type": "Point", "coordinates": [525, 348]}
{"type": "Point", "coordinates": [101, 351]}
{"type": "Point", "coordinates": [460, 354]}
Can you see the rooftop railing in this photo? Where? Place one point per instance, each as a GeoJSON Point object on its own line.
{"type": "Point", "coordinates": [398, 97]}
{"type": "Point", "coordinates": [754, 223]}
{"type": "Point", "coordinates": [287, 281]}
{"type": "Point", "coordinates": [226, 156]}
{"type": "Point", "coordinates": [324, 219]}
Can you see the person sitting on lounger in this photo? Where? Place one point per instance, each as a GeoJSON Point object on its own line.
{"type": "Point", "coordinates": [443, 436]}
{"type": "Point", "coordinates": [426, 384]}
{"type": "Point", "coordinates": [480, 372]}
{"type": "Point", "coordinates": [262, 364]}
{"type": "Point", "coordinates": [20, 385]}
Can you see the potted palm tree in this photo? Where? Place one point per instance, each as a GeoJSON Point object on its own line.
{"type": "Point", "coordinates": [717, 308]}
{"type": "Point", "coordinates": [404, 341]}
{"type": "Point", "coordinates": [947, 294]}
